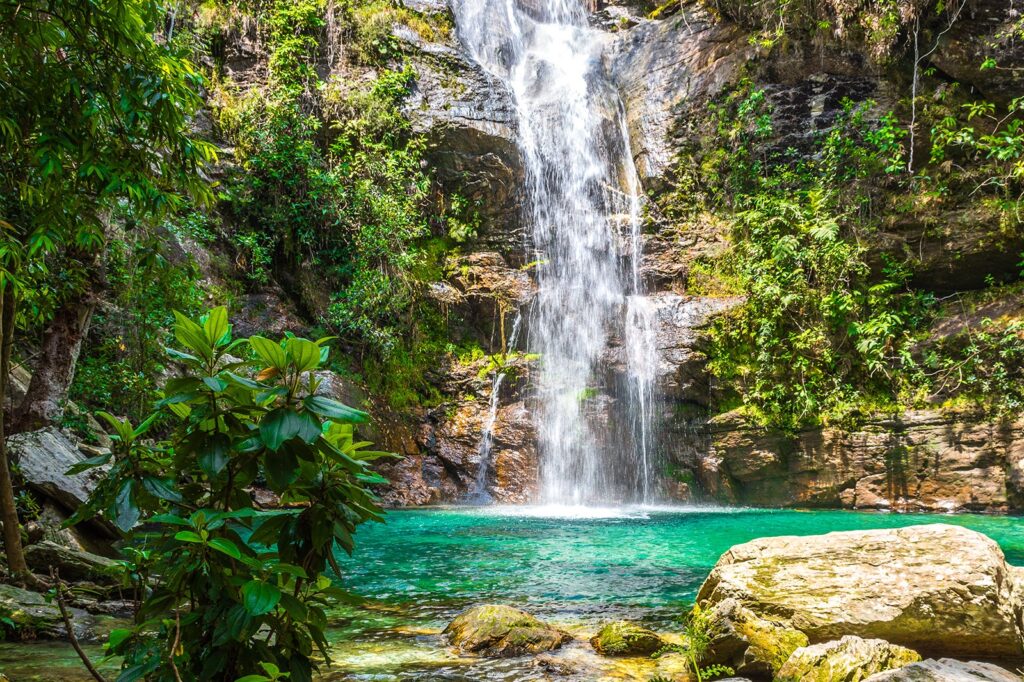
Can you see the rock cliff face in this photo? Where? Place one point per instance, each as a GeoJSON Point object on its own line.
{"type": "Point", "coordinates": [666, 70]}
{"type": "Point", "coordinates": [919, 461]}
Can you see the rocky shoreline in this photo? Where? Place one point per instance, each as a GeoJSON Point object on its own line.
{"type": "Point", "coordinates": [936, 603]}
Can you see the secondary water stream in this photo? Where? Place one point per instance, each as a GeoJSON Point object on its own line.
{"type": "Point", "coordinates": [583, 208]}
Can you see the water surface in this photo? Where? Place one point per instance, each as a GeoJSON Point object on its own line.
{"type": "Point", "coordinates": [573, 567]}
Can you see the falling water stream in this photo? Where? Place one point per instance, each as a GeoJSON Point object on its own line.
{"type": "Point", "coordinates": [583, 209]}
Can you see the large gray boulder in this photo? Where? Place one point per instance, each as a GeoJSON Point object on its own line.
{"type": "Point", "coordinates": [938, 589]}
{"type": "Point", "coordinates": [946, 670]}
{"type": "Point", "coordinates": [44, 457]}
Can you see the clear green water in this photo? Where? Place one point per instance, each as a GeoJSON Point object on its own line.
{"type": "Point", "coordinates": [424, 566]}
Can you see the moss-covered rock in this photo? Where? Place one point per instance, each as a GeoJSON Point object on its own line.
{"type": "Point", "coordinates": [495, 630]}
{"type": "Point", "coordinates": [622, 638]}
{"type": "Point", "coordinates": [27, 615]}
{"type": "Point", "coordinates": [937, 589]}
{"type": "Point", "coordinates": [748, 643]}
{"type": "Point", "coordinates": [849, 659]}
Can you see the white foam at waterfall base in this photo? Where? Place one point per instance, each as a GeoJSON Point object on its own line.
{"type": "Point", "coordinates": [583, 513]}
{"type": "Point", "coordinates": [579, 173]}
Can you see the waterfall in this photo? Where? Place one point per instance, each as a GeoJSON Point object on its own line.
{"type": "Point", "coordinates": [583, 210]}
{"type": "Point", "coordinates": [479, 494]}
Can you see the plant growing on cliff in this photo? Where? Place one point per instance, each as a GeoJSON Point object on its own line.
{"type": "Point", "coordinates": [227, 586]}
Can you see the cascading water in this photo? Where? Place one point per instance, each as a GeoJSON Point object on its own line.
{"type": "Point", "coordinates": [583, 207]}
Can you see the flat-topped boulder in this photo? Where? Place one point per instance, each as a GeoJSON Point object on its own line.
{"type": "Point", "coordinates": [499, 631]}
{"type": "Point", "coordinates": [940, 590]}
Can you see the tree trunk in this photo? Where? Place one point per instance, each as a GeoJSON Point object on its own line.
{"type": "Point", "coordinates": [58, 355]}
{"type": "Point", "coordinates": [8, 508]}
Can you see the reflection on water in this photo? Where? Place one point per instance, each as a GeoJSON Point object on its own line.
{"type": "Point", "coordinates": [573, 567]}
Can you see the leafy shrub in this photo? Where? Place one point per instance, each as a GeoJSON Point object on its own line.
{"type": "Point", "coordinates": [228, 588]}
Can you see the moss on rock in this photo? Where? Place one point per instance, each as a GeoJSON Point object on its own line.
{"type": "Point", "coordinates": [622, 638]}
{"type": "Point", "coordinates": [495, 630]}
{"type": "Point", "coordinates": [850, 659]}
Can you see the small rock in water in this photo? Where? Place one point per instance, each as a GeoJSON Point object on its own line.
{"type": "Point", "coordinates": [623, 638]}
{"type": "Point", "coordinates": [499, 631]}
{"type": "Point", "coordinates": [850, 658]}
{"type": "Point", "coordinates": [946, 670]}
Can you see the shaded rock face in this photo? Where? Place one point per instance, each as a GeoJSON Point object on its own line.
{"type": "Point", "coordinates": [469, 120]}
{"type": "Point", "coordinates": [659, 67]}
{"type": "Point", "coordinates": [849, 659]}
{"type": "Point", "coordinates": [946, 670]}
{"type": "Point", "coordinates": [937, 589]}
{"type": "Point", "coordinates": [921, 461]}
{"type": "Point", "coordinates": [748, 643]}
{"type": "Point", "coordinates": [500, 631]}
{"type": "Point", "coordinates": [44, 456]}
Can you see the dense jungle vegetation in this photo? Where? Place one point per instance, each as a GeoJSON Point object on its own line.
{"type": "Point", "coordinates": [144, 194]}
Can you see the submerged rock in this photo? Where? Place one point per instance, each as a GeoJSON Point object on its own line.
{"type": "Point", "coordinates": [946, 670]}
{"type": "Point", "coordinates": [495, 630]}
{"type": "Point", "coordinates": [623, 638]}
{"type": "Point", "coordinates": [849, 659]}
{"type": "Point", "coordinates": [748, 643]}
{"type": "Point", "coordinates": [937, 589]}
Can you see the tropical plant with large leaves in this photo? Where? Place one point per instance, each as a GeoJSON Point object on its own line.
{"type": "Point", "coordinates": [230, 586]}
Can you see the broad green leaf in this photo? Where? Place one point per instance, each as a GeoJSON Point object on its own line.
{"type": "Point", "coordinates": [121, 427]}
{"type": "Point", "coordinates": [216, 325]}
{"type": "Point", "coordinates": [260, 597]}
{"type": "Point", "coordinates": [161, 489]}
{"type": "Point", "coordinates": [282, 468]}
{"type": "Point", "coordinates": [215, 384]}
{"type": "Point", "coordinates": [310, 428]}
{"type": "Point", "coordinates": [269, 352]}
{"type": "Point", "coordinates": [188, 536]}
{"type": "Point", "coordinates": [91, 463]}
{"type": "Point", "coordinates": [117, 636]}
{"type": "Point", "coordinates": [304, 353]}
{"type": "Point", "coordinates": [126, 513]}
{"type": "Point", "coordinates": [279, 426]}
{"type": "Point", "coordinates": [332, 409]}
{"type": "Point", "coordinates": [226, 546]}
{"type": "Point", "coordinates": [214, 454]}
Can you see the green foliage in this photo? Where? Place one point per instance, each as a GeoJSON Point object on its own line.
{"type": "Point", "coordinates": [333, 180]}
{"type": "Point", "coordinates": [823, 335]}
{"type": "Point", "coordinates": [373, 26]}
{"type": "Point", "coordinates": [229, 588]}
{"type": "Point", "coordinates": [698, 639]}
{"type": "Point", "coordinates": [123, 356]}
{"type": "Point", "coordinates": [818, 328]}
{"type": "Point", "coordinates": [95, 114]}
